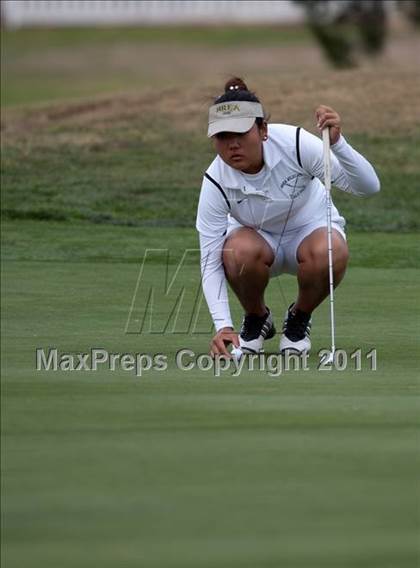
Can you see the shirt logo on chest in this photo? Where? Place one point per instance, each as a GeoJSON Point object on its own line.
{"type": "Point", "coordinates": [295, 183]}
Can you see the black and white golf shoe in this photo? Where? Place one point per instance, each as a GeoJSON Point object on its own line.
{"type": "Point", "coordinates": [296, 330]}
{"type": "Point", "coordinates": [255, 329]}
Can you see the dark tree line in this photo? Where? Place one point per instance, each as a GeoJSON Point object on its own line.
{"type": "Point", "coordinates": [344, 28]}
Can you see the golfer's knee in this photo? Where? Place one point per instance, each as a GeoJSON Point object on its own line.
{"type": "Point", "coordinates": [340, 257]}
{"type": "Point", "coordinates": [245, 248]}
{"type": "Point", "coordinates": [316, 258]}
{"type": "Point", "coordinates": [238, 255]}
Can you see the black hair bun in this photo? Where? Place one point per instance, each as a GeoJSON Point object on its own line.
{"type": "Point", "coordinates": [236, 90]}
{"type": "Point", "coordinates": [235, 84]}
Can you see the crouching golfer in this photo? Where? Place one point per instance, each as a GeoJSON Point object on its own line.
{"type": "Point", "coordinates": [262, 212]}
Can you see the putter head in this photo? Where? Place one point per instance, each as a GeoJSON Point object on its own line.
{"type": "Point", "coordinates": [329, 358]}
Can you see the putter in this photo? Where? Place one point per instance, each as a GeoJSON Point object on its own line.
{"type": "Point", "coordinates": [327, 182]}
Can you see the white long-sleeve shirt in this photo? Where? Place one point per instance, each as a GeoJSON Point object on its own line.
{"type": "Point", "coordinates": [290, 196]}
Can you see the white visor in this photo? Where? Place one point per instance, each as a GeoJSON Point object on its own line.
{"type": "Point", "coordinates": [233, 116]}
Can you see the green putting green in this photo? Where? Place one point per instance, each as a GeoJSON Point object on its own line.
{"type": "Point", "coordinates": [181, 468]}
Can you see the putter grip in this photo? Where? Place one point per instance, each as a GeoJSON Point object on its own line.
{"type": "Point", "coordinates": [327, 158]}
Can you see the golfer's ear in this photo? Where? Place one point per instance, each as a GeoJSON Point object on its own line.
{"type": "Point", "coordinates": [264, 130]}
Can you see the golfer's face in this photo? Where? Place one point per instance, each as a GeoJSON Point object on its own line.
{"type": "Point", "coordinates": [241, 151]}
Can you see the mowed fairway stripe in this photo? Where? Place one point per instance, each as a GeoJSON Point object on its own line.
{"type": "Point", "coordinates": [180, 469]}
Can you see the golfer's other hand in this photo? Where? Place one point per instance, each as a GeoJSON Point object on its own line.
{"type": "Point", "coordinates": [220, 342]}
{"type": "Point", "coordinates": [328, 117]}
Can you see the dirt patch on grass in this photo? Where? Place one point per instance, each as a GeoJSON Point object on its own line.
{"type": "Point", "coordinates": [381, 97]}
